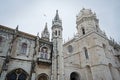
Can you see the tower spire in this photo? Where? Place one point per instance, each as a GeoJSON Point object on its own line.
{"type": "Point", "coordinates": [57, 59]}
{"type": "Point", "coordinates": [57, 16]}
{"type": "Point", "coordinates": [57, 21]}
{"type": "Point", "coordinates": [45, 33]}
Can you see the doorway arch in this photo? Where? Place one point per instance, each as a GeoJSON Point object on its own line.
{"type": "Point", "coordinates": [74, 76]}
{"type": "Point", "coordinates": [17, 74]}
{"type": "Point", "coordinates": [43, 76]}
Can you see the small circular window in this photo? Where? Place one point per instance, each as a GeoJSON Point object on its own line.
{"type": "Point", "coordinates": [70, 49]}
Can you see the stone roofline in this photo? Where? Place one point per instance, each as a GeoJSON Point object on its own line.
{"type": "Point", "coordinates": [20, 33]}
{"type": "Point", "coordinates": [12, 31]}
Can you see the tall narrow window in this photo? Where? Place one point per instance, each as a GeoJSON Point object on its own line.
{"type": "Point", "coordinates": [56, 32]}
{"type": "Point", "coordinates": [0, 40]}
{"type": "Point", "coordinates": [59, 33]}
{"type": "Point", "coordinates": [83, 31]}
{"type": "Point", "coordinates": [86, 53]}
{"type": "Point", "coordinates": [104, 47]}
{"type": "Point", "coordinates": [24, 48]}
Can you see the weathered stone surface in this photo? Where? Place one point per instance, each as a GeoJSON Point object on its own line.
{"type": "Point", "coordinates": [90, 55]}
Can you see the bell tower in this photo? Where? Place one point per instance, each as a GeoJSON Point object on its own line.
{"type": "Point", "coordinates": [57, 56]}
{"type": "Point", "coordinates": [95, 48]}
{"type": "Point", "coordinates": [86, 22]}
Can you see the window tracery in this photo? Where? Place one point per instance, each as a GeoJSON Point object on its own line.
{"type": "Point", "coordinates": [17, 74]}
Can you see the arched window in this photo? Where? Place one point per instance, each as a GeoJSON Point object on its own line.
{"type": "Point", "coordinates": [86, 52]}
{"type": "Point", "coordinates": [83, 31]}
{"type": "Point", "coordinates": [59, 33]}
{"type": "Point", "coordinates": [104, 47]}
{"type": "Point", "coordinates": [17, 74]}
{"type": "Point", "coordinates": [1, 40]}
{"type": "Point", "coordinates": [56, 33]}
{"type": "Point", "coordinates": [43, 76]}
{"type": "Point", "coordinates": [74, 76]}
{"type": "Point", "coordinates": [24, 48]}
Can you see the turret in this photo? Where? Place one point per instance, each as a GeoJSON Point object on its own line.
{"type": "Point", "coordinates": [57, 56]}
{"type": "Point", "coordinates": [56, 26]}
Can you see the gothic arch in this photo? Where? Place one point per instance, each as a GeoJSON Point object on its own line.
{"type": "Point", "coordinates": [74, 76]}
{"type": "Point", "coordinates": [89, 73]}
{"type": "Point", "coordinates": [43, 76]}
{"type": "Point", "coordinates": [17, 74]}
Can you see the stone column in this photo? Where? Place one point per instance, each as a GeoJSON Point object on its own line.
{"type": "Point", "coordinates": [3, 75]}
{"type": "Point", "coordinates": [33, 76]}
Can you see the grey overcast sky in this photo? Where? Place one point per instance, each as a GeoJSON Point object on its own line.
{"type": "Point", "coordinates": [31, 15]}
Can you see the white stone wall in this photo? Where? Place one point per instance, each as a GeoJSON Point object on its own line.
{"type": "Point", "coordinates": [43, 68]}
{"type": "Point", "coordinates": [6, 39]}
{"type": "Point", "coordinates": [30, 49]}
{"type": "Point", "coordinates": [101, 72]}
{"type": "Point", "coordinates": [15, 64]}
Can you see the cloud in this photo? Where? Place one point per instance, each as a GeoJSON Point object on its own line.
{"type": "Point", "coordinates": [29, 14]}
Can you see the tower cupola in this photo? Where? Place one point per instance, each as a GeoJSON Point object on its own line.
{"type": "Point", "coordinates": [86, 22]}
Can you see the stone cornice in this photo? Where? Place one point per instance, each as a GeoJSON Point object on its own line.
{"type": "Point", "coordinates": [6, 29]}
{"type": "Point", "coordinates": [19, 33]}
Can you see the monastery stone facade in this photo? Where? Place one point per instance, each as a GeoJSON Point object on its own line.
{"type": "Point", "coordinates": [90, 55]}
